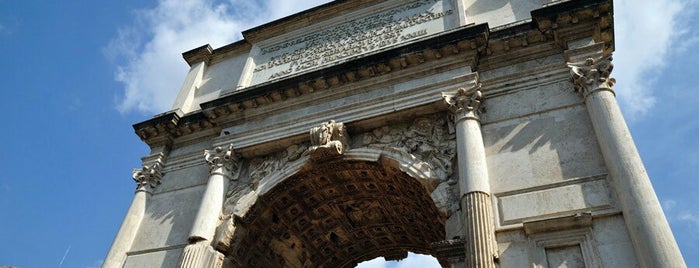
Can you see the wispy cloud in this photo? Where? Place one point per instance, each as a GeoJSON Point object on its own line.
{"type": "Point", "coordinates": [147, 53]}
{"type": "Point", "coordinates": [682, 213]}
{"type": "Point", "coordinates": [646, 32]}
{"type": "Point", "coordinates": [8, 27]}
{"type": "Point", "coordinates": [96, 264]}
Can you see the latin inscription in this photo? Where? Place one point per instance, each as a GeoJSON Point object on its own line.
{"type": "Point", "coordinates": [352, 38]}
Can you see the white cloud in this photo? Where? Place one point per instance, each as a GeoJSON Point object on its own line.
{"type": "Point", "coordinates": [681, 212]}
{"type": "Point", "coordinates": [147, 53]}
{"type": "Point", "coordinates": [645, 32]}
{"type": "Point", "coordinates": [418, 260]}
{"type": "Point", "coordinates": [373, 263]}
{"type": "Point", "coordinates": [413, 260]}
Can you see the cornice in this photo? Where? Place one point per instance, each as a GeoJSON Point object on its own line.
{"type": "Point", "coordinates": [197, 55]}
{"type": "Point", "coordinates": [566, 21]}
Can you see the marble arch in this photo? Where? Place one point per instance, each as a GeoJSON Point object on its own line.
{"type": "Point", "coordinates": [338, 210]}
{"type": "Point", "coordinates": [548, 175]}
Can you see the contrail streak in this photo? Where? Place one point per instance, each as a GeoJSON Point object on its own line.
{"type": "Point", "coordinates": [64, 257]}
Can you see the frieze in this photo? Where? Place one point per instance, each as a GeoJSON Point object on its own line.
{"type": "Point", "coordinates": [352, 38]}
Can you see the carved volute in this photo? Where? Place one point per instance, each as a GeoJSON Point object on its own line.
{"type": "Point", "coordinates": [224, 161]}
{"type": "Point", "coordinates": [148, 177]}
{"type": "Point", "coordinates": [467, 101]}
{"type": "Point", "coordinates": [592, 74]}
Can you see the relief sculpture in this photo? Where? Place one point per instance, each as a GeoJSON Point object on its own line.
{"type": "Point", "coordinates": [427, 138]}
{"type": "Point", "coordinates": [328, 140]}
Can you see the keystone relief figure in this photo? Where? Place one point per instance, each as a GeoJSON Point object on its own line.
{"type": "Point", "coordinates": [328, 140]}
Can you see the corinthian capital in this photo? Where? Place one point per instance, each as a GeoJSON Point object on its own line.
{"type": "Point", "coordinates": [592, 74]}
{"type": "Point", "coordinates": [148, 177]}
{"type": "Point", "coordinates": [466, 101]}
{"type": "Point", "coordinates": [222, 158]}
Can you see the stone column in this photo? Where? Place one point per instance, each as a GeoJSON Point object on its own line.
{"type": "Point", "coordinates": [474, 185]}
{"type": "Point", "coordinates": [146, 179]}
{"type": "Point", "coordinates": [199, 252]}
{"type": "Point", "coordinates": [650, 232]}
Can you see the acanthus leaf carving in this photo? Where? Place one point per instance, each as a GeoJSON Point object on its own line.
{"type": "Point", "coordinates": [223, 158]}
{"type": "Point", "coordinates": [328, 140]}
{"type": "Point", "coordinates": [148, 177]}
{"type": "Point", "coordinates": [592, 74]}
{"type": "Point", "coordinates": [466, 100]}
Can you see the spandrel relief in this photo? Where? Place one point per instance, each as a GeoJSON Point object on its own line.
{"type": "Point", "coordinates": [430, 139]}
{"type": "Point", "coordinates": [427, 138]}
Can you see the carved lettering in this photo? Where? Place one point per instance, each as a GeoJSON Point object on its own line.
{"type": "Point", "coordinates": [352, 38]}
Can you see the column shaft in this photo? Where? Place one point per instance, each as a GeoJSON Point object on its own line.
{"type": "Point", "coordinates": [480, 242]}
{"type": "Point", "coordinates": [473, 169]}
{"type": "Point", "coordinates": [204, 226]}
{"type": "Point", "coordinates": [199, 253]}
{"type": "Point", "coordinates": [652, 239]}
{"type": "Point", "coordinates": [127, 232]}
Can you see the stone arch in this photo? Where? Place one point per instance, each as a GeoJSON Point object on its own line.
{"type": "Point", "coordinates": [367, 203]}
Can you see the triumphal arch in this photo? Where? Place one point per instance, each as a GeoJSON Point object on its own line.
{"type": "Point", "coordinates": [485, 133]}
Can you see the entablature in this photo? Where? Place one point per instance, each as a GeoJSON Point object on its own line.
{"type": "Point", "coordinates": [551, 29]}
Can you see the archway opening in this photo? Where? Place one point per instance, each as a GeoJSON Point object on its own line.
{"type": "Point", "coordinates": [337, 214]}
{"type": "Point", "coordinates": [413, 260]}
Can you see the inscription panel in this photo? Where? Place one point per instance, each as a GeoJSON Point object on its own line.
{"type": "Point", "coordinates": [353, 38]}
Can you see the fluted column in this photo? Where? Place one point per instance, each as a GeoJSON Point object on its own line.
{"type": "Point", "coordinates": [650, 232]}
{"type": "Point", "coordinates": [146, 178]}
{"type": "Point", "coordinates": [474, 185]}
{"type": "Point", "coordinates": [200, 253]}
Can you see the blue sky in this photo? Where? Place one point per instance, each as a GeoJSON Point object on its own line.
{"type": "Point", "coordinates": [77, 74]}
